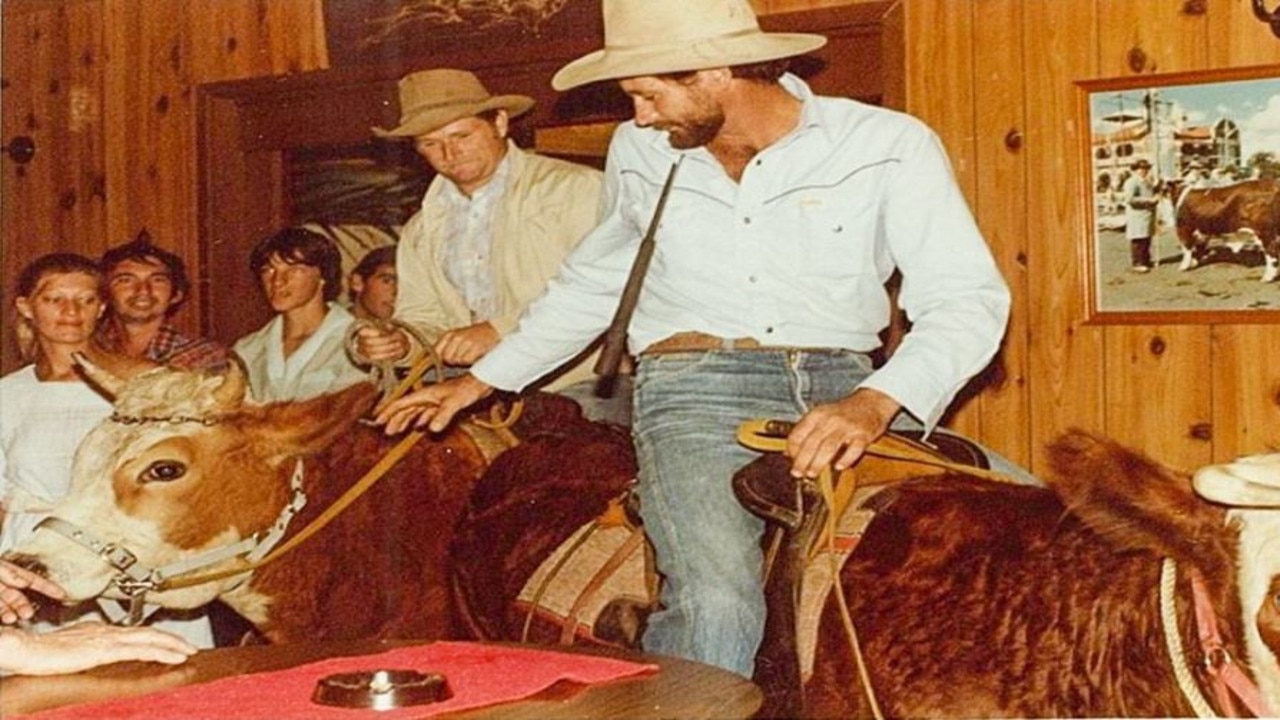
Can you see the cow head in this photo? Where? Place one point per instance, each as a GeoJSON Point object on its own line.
{"type": "Point", "coordinates": [184, 465]}
{"type": "Point", "coordinates": [1250, 486]}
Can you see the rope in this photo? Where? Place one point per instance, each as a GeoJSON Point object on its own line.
{"type": "Point", "coordinates": [826, 487]}
{"type": "Point", "coordinates": [1173, 641]}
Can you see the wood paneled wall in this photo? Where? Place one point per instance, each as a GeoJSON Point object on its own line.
{"type": "Point", "coordinates": [107, 89]}
{"type": "Point", "coordinates": [986, 71]}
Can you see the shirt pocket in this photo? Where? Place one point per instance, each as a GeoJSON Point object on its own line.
{"type": "Point", "coordinates": [835, 238]}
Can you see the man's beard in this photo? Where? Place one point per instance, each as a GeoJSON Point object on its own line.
{"type": "Point", "coordinates": [695, 133]}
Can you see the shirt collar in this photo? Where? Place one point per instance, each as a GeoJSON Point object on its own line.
{"type": "Point", "coordinates": [811, 116]}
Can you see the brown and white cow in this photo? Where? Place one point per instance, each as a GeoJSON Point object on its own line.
{"type": "Point", "coordinates": [1253, 206]}
{"type": "Point", "coordinates": [186, 466]}
{"type": "Point", "coordinates": [979, 599]}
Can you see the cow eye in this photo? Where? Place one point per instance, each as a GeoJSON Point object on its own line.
{"type": "Point", "coordinates": [163, 471]}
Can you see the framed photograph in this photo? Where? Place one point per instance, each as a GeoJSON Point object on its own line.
{"type": "Point", "coordinates": [1182, 187]}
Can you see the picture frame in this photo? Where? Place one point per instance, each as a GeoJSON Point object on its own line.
{"type": "Point", "coordinates": [1211, 145]}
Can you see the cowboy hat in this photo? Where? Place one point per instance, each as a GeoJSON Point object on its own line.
{"type": "Point", "coordinates": [653, 37]}
{"type": "Point", "coordinates": [431, 99]}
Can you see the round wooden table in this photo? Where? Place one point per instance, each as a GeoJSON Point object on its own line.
{"type": "Point", "coordinates": [680, 689]}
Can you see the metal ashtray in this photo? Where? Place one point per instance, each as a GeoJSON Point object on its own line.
{"type": "Point", "coordinates": [381, 689]}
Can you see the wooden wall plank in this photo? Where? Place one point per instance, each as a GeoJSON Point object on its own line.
{"type": "Point", "coordinates": [1001, 208]}
{"type": "Point", "coordinates": [1064, 353]}
{"type": "Point", "coordinates": [1154, 398]}
{"type": "Point", "coordinates": [52, 91]}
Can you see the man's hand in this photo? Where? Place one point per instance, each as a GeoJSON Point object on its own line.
{"type": "Point", "coordinates": [839, 432]}
{"type": "Point", "coordinates": [86, 645]}
{"type": "Point", "coordinates": [466, 345]}
{"type": "Point", "coordinates": [376, 345]}
{"type": "Point", "coordinates": [434, 405]}
{"type": "Point", "coordinates": [14, 605]}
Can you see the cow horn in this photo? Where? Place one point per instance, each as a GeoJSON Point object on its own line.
{"type": "Point", "coordinates": [230, 393]}
{"type": "Point", "coordinates": [100, 377]}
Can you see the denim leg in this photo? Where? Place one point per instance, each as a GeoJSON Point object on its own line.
{"type": "Point", "coordinates": [688, 407]}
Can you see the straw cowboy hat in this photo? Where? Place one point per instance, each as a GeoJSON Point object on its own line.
{"type": "Point", "coordinates": [652, 37]}
{"type": "Point", "coordinates": [431, 99]}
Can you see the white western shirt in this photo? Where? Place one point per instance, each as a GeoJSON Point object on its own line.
{"type": "Point", "coordinates": [795, 254]}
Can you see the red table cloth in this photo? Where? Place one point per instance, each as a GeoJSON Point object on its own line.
{"type": "Point", "coordinates": [479, 675]}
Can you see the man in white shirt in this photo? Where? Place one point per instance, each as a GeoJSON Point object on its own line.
{"type": "Point", "coordinates": [765, 296]}
{"type": "Point", "coordinates": [301, 352]}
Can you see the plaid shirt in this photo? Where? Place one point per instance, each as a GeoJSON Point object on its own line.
{"type": "Point", "coordinates": [173, 349]}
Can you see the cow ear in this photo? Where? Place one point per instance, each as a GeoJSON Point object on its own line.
{"type": "Point", "coordinates": [305, 427]}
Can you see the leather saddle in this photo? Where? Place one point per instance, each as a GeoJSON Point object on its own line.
{"type": "Point", "coordinates": [796, 514]}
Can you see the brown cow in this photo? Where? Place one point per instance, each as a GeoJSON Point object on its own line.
{"type": "Point", "coordinates": [1253, 206]}
{"type": "Point", "coordinates": [977, 599]}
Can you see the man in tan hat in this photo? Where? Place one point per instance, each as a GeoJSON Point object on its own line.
{"type": "Point", "coordinates": [494, 227]}
{"type": "Point", "coordinates": [766, 293]}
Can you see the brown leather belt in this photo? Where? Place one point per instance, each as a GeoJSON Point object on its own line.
{"type": "Point", "coordinates": [699, 342]}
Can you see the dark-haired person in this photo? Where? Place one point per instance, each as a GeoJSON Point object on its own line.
{"type": "Point", "coordinates": [300, 353]}
{"type": "Point", "coordinates": [146, 285]}
{"type": "Point", "coordinates": [373, 283]}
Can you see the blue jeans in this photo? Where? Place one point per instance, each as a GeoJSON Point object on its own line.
{"type": "Point", "coordinates": [687, 410]}
{"type": "Point", "coordinates": [688, 407]}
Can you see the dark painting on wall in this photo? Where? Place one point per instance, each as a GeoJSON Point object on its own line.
{"type": "Point", "coordinates": [379, 31]}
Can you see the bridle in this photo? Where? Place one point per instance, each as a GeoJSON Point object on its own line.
{"type": "Point", "coordinates": [134, 580]}
{"type": "Point", "coordinates": [1227, 680]}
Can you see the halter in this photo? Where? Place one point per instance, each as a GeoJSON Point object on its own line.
{"type": "Point", "coordinates": [134, 580]}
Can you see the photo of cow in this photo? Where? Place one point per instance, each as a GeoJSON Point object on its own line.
{"type": "Point", "coordinates": [1183, 186]}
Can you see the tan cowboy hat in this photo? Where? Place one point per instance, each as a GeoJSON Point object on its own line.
{"type": "Point", "coordinates": [652, 37]}
{"type": "Point", "coordinates": [431, 99]}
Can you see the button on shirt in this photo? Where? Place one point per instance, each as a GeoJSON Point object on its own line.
{"type": "Point", "coordinates": [466, 255]}
{"type": "Point", "coordinates": [795, 254]}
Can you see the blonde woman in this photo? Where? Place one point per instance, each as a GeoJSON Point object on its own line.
{"type": "Point", "coordinates": [46, 408]}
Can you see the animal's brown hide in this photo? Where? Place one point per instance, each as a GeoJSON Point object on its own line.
{"type": "Point", "coordinates": [561, 476]}
{"type": "Point", "coordinates": [382, 568]}
{"type": "Point", "coordinates": [974, 599]}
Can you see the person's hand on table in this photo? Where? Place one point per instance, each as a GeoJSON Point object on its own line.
{"type": "Point", "coordinates": [87, 645]}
